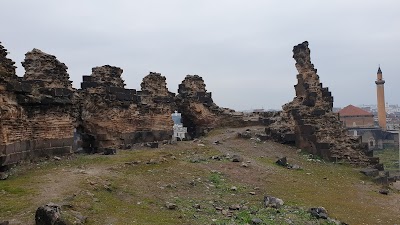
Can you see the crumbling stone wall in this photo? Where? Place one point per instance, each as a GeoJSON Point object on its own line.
{"type": "Point", "coordinates": [36, 117]}
{"type": "Point", "coordinates": [42, 114]}
{"type": "Point", "coordinates": [114, 117]}
{"type": "Point", "coordinates": [308, 121]}
{"type": "Point", "coordinates": [199, 112]}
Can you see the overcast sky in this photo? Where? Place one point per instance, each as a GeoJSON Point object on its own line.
{"type": "Point", "coordinates": [242, 48]}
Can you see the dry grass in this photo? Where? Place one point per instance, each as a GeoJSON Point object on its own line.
{"type": "Point", "coordinates": [132, 187]}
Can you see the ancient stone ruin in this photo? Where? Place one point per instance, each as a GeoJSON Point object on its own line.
{"type": "Point", "coordinates": [41, 114]}
{"type": "Point", "coordinates": [112, 116]}
{"type": "Point", "coordinates": [36, 117]}
{"type": "Point", "coordinates": [308, 121]}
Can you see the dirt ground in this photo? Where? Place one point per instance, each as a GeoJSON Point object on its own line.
{"type": "Point", "coordinates": [199, 177]}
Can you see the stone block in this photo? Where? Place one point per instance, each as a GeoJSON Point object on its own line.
{"type": "Point", "coordinates": [289, 138]}
{"type": "Point", "coordinates": [126, 104]}
{"type": "Point", "coordinates": [201, 94]}
{"type": "Point", "coordinates": [10, 149]}
{"type": "Point", "coordinates": [14, 158]}
{"type": "Point", "coordinates": [322, 145]}
{"type": "Point", "coordinates": [318, 112]}
{"type": "Point", "coordinates": [36, 153]}
{"type": "Point", "coordinates": [56, 143]}
{"type": "Point", "coordinates": [306, 129]}
{"type": "Point", "coordinates": [87, 78]}
{"type": "Point", "coordinates": [23, 146]}
{"type": "Point", "coordinates": [325, 153]}
{"type": "Point", "coordinates": [373, 160]}
{"type": "Point", "coordinates": [68, 141]}
{"type": "Point", "coordinates": [370, 172]}
{"type": "Point", "coordinates": [17, 147]}
{"type": "Point", "coordinates": [2, 149]}
{"type": "Point", "coordinates": [85, 85]}
{"type": "Point", "coordinates": [26, 87]}
{"type": "Point", "coordinates": [60, 150]}
{"type": "Point", "coordinates": [17, 87]}
{"type": "Point", "coordinates": [115, 90]}
{"type": "Point", "coordinates": [3, 160]}
{"type": "Point", "coordinates": [123, 96]}
{"type": "Point", "coordinates": [42, 144]}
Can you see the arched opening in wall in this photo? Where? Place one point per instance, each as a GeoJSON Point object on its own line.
{"type": "Point", "coordinates": [83, 142]}
{"type": "Point", "coordinates": [180, 131]}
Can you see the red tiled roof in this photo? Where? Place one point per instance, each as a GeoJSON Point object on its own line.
{"type": "Point", "coordinates": [351, 110]}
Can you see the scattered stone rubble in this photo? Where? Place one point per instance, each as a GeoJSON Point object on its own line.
{"type": "Point", "coordinates": [308, 121]}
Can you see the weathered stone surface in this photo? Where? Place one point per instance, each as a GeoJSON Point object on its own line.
{"type": "Point", "coordinates": [199, 112]}
{"type": "Point", "coordinates": [114, 117]}
{"type": "Point", "coordinates": [319, 212]}
{"type": "Point", "coordinates": [49, 214]}
{"type": "Point", "coordinates": [36, 118]}
{"type": "Point", "coordinates": [282, 162]}
{"type": "Point", "coordinates": [370, 172]}
{"type": "Point", "coordinates": [7, 68]}
{"type": "Point", "coordinates": [308, 121]}
{"type": "Point", "coordinates": [270, 201]}
{"type": "Point", "coordinates": [46, 68]}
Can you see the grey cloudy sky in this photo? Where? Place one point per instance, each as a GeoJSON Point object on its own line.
{"type": "Point", "coordinates": [242, 49]}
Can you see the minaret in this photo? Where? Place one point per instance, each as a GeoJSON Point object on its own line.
{"type": "Point", "coordinates": [380, 91]}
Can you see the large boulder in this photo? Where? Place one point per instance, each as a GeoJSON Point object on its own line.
{"type": "Point", "coordinates": [49, 214]}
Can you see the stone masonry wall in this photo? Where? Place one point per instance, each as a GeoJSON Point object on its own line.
{"type": "Point", "coordinates": [199, 112]}
{"type": "Point", "coordinates": [36, 117]}
{"type": "Point", "coordinates": [115, 117]}
{"type": "Point", "coordinates": [309, 122]}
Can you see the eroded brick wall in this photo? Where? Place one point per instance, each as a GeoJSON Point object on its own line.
{"type": "Point", "coordinates": [36, 110]}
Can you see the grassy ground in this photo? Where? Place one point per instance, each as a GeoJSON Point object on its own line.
{"type": "Point", "coordinates": [389, 157]}
{"type": "Point", "coordinates": [133, 187]}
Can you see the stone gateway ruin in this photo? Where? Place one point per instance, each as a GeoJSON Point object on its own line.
{"type": "Point", "coordinates": [41, 114]}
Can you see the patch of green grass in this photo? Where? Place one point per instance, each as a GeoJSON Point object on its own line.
{"type": "Point", "coordinates": [389, 157]}
{"type": "Point", "coordinates": [215, 178]}
{"type": "Point", "coordinates": [15, 195]}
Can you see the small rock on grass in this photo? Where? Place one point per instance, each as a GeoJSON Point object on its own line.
{"type": "Point", "coordinates": [237, 158]}
{"type": "Point", "coordinates": [234, 207]}
{"type": "Point", "coordinates": [3, 175]}
{"type": "Point", "coordinates": [273, 202]}
{"type": "Point", "coordinates": [319, 212]}
{"type": "Point", "coordinates": [245, 165]}
{"type": "Point", "coordinates": [171, 206]}
{"type": "Point", "coordinates": [384, 191]}
{"type": "Point", "coordinates": [256, 221]}
{"type": "Point", "coordinates": [282, 162]}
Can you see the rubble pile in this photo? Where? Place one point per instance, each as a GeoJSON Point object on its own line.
{"type": "Point", "coordinates": [309, 122]}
